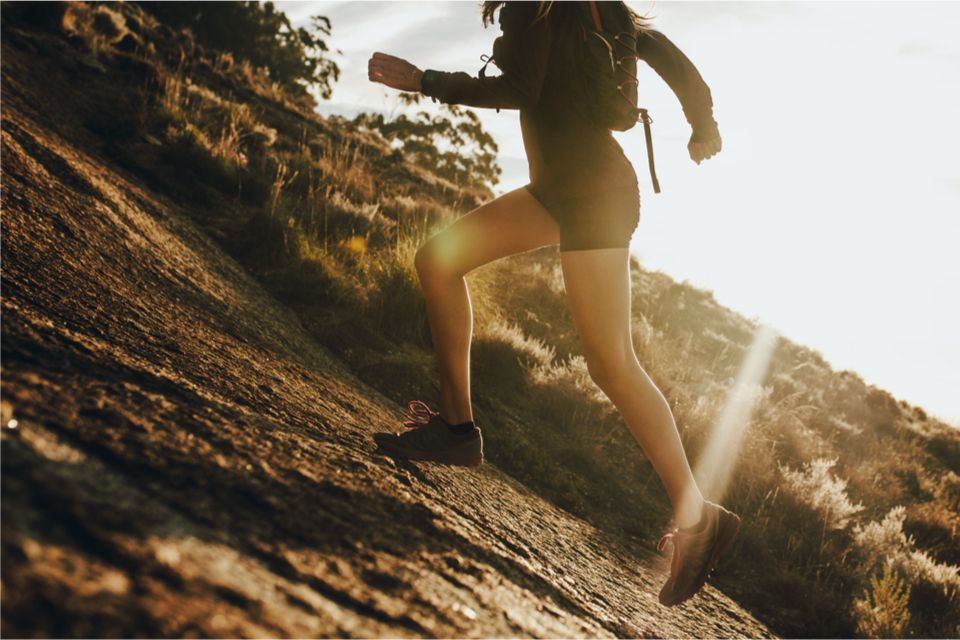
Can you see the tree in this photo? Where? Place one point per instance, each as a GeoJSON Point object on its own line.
{"type": "Point", "coordinates": [452, 145]}
{"type": "Point", "coordinates": [259, 33]}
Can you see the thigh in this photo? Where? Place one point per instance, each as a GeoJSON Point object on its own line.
{"type": "Point", "coordinates": [597, 283]}
{"type": "Point", "coordinates": [514, 222]}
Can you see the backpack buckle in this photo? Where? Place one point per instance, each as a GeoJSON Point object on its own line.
{"type": "Point", "coordinates": [486, 60]}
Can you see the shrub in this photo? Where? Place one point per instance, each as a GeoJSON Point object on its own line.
{"type": "Point", "coordinates": [883, 611]}
{"type": "Point", "coordinates": [819, 489]}
{"type": "Point", "coordinates": [885, 541]}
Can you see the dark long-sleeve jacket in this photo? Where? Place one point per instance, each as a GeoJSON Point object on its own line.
{"type": "Point", "coordinates": [565, 152]}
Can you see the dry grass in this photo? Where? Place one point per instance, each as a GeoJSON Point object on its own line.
{"type": "Point", "coordinates": [344, 165]}
{"type": "Point", "coordinates": [226, 129]}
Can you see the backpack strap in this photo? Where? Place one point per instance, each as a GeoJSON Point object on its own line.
{"type": "Point", "coordinates": [595, 12]}
{"type": "Point", "coordinates": [487, 59]}
{"type": "Point", "coordinates": [645, 117]}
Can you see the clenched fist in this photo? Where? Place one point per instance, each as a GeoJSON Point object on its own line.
{"type": "Point", "coordinates": [700, 151]}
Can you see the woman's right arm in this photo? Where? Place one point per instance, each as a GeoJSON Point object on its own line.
{"type": "Point", "coordinates": [527, 47]}
{"type": "Point", "coordinates": [684, 80]}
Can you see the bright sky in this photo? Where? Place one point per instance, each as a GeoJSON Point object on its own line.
{"type": "Point", "coordinates": [833, 211]}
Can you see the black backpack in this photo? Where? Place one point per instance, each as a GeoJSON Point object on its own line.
{"type": "Point", "coordinates": [607, 90]}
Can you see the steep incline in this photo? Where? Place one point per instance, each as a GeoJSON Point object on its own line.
{"type": "Point", "coordinates": [187, 461]}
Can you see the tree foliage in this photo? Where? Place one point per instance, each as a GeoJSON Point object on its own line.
{"type": "Point", "coordinates": [261, 34]}
{"type": "Point", "coordinates": [452, 144]}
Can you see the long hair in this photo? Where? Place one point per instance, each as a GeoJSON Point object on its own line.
{"type": "Point", "coordinates": [543, 9]}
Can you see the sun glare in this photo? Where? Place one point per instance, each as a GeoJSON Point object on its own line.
{"type": "Point", "coordinates": [714, 467]}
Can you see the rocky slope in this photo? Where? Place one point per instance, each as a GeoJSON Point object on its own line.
{"type": "Point", "coordinates": [180, 457]}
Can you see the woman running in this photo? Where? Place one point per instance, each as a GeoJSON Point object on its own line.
{"type": "Point", "coordinates": [583, 195]}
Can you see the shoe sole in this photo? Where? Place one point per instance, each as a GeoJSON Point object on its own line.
{"type": "Point", "coordinates": [459, 458]}
{"type": "Point", "coordinates": [728, 534]}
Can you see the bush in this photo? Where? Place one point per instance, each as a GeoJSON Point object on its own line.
{"type": "Point", "coordinates": [883, 612]}
{"type": "Point", "coordinates": [937, 584]}
{"type": "Point", "coordinates": [826, 494]}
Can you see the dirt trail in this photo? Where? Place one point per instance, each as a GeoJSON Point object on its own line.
{"type": "Point", "coordinates": [188, 462]}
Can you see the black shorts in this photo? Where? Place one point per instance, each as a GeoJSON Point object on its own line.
{"type": "Point", "coordinates": [602, 220]}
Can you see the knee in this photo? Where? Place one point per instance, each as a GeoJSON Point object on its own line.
{"type": "Point", "coordinates": [431, 263]}
{"type": "Point", "coordinates": [426, 262]}
{"type": "Point", "coordinates": [611, 370]}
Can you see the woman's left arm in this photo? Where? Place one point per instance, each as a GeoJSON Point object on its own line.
{"type": "Point", "coordinates": [526, 43]}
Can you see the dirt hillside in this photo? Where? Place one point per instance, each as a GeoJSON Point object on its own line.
{"type": "Point", "coordinates": [180, 458]}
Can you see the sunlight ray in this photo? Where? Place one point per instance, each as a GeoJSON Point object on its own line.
{"type": "Point", "coordinates": [714, 467]}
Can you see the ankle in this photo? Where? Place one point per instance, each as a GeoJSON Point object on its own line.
{"type": "Point", "coordinates": [456, 417]}
{"type": "Point", "coordinates": [460, 428]}
{"type": "Point", "coordinates": [690, 514]}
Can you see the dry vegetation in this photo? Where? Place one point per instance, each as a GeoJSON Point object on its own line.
{"type": "Point", "coordinates": [851, 499]}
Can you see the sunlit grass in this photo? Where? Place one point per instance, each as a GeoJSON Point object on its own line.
{"type": "Point", "coordinates": [343, 163]}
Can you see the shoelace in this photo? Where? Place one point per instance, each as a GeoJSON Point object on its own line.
{"type": "Point", "coordinates": [674, 538]}
{"type": "Point", "coordinates": [419, 414]}
{"type": "Point", "coordinates": [671, 537]}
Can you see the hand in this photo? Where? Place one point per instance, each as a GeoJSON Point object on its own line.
{"type": "Point", "coordinates": [394, 72]}
{"type": "Point", "coordinates": [700, 151]}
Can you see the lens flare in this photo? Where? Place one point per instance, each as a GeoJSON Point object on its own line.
{"type": "Point", "coordinates": [356, 244]}
{"type": "Point", "coordinates": [715, 464]}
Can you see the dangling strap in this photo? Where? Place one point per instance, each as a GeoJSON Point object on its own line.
{"type": "Point", "coordinates": [646, 134]}
{"type": "Point", "coordinates": [483, 70]}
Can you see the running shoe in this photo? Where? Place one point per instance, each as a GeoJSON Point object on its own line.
{"type": "Point", "coordinates": [696, 553]}
{"type": "Point", "coordinates": [430, 438]}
